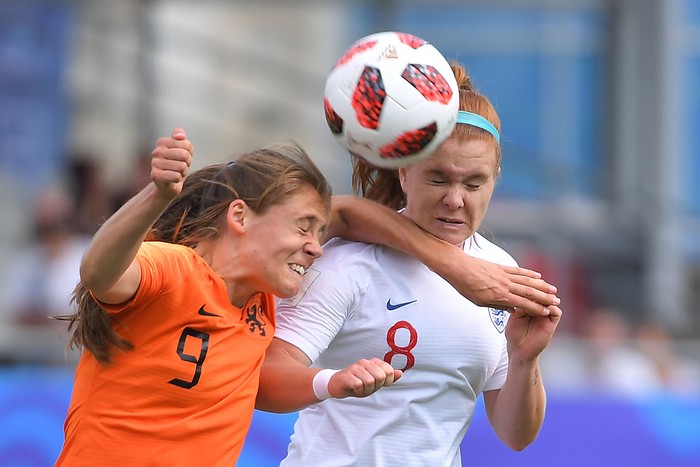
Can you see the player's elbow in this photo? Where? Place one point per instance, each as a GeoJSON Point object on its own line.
{"type": "Point", "coordinates": [519, 445]}
{"type": "Point", "coordinates": [519, 441]}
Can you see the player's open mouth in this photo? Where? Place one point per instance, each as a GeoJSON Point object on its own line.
{"type": "Point", "coordinates": [451, 221]}
{"type": "Point", "coordinates": [298, 268]}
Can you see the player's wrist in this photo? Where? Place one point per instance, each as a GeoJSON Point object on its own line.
{"type": "Point", "coordinates": [320, 383]}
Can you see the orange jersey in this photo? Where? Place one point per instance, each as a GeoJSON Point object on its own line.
{"type": "Point", "coordinates": [185, 395]}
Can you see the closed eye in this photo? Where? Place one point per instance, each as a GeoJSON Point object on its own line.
{"type": "Point", "coordinates": [304, 225]}
{"type": "Point", "coordinates": [475, 182]}
{"type": "Point", "coordinates": [311, 226]}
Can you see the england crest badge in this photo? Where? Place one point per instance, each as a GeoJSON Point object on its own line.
{"type": "Point", "coordinates": [498, 318]}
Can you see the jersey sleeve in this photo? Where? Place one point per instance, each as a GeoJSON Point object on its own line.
{"type": "Point", "coordinates": [484, 249]}
{"type": "Point", "coordinates": [312, 319]}
{"type": "Point", "coordinates": [498, 378]}
{"type": "Point", "coordinates": [162, 267]}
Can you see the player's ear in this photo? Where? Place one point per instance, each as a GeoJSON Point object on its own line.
{"type": "Point", "coordinates": [402, 178]}
{"type": "Point", "coordinates": [236, 215]}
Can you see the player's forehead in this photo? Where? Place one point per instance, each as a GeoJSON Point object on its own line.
{"type": "Point", "coordinates": [304, 205]}
{"type": "Point", "coordinates": [457, 156]}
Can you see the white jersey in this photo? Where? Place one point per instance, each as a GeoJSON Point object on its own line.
{"type": "Point", "coordinates": [363, 301]}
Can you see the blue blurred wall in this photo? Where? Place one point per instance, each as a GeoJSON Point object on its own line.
{"type": "Point", "coordinates": [34, 59]}
{"type": "Point", "coordinates": [578, 431]}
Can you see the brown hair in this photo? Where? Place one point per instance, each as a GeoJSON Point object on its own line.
{"type": "Point", "coordinates": [262, 178]}
{"type": "Point", "coordinates": [383, 186]}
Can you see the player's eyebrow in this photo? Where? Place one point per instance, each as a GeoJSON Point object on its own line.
{"type": "Point", "coordinates": [442, 174]}
{"type": "Point", "coordinates": [309, 220]}
{"type": "Point", "coordinates": [436, 173]}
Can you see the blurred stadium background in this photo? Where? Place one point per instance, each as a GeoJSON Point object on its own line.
{"type": "Point", "coordinates": [600, 104]}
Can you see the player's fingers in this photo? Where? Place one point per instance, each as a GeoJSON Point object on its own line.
{"type": "Point", "coordinates": [518, 271]}
{"type": "Point", "coordinates": [370, 377]}
{"type": "Point", "coordinates": [179, 133]}
{"type": "Point", "coordinates": [172, 143]}
{"type": "Point", "coordinates": [168, 176]}
{"type": "Point", "coordinates": [528, 307]}
{"type": "Point", "coordinates": [393, 375]}
{"type": "Point", "coordinates": [169, 172]}
{"type": "Point", "coordinates": [181, 150]}
{"type": "Point", "coordinates": [534, 309]}
{"type": "Point", "coordinates": [183, 144]}
{"type": "Point", "coordinates": [175, 148]}
{"type": "Point", "coordinates": [555, 313]}
{"type": "Point", "coordinates": [162, 154]}
{"type": "Point", "coordinates": [383, 373]}
{"type": "Point", "coordinates": [175, 165]}
{"type": "Point", "coordinates": [355, 379]}
{"type": "Point", "coordinates": [536, 283]}
{"type": "Point", "coordinates": [361, 384]}
{"type": "Point", "coordinates": [533, 294]}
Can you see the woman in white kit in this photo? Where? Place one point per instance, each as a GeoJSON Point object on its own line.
{"type": "Point", "coordinates": [364, 306]}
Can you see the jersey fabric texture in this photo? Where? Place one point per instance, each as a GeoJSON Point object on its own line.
{"type": "Point", "coordinates": [185, 395]}
{"type": "Point", "coordinates": [365, 301]}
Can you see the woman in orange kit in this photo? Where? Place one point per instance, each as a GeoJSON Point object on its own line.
{"type": "Point", "coordinates": [171, 371]}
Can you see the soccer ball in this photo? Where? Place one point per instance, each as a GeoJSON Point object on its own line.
{"type": "Point", "coordinates": [391, 99]}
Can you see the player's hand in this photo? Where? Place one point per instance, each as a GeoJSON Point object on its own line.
{"type": "Point", "coordinates": [529, 335]}
{"type": "Point", "coordinates": [170, 162]}
{"type": "Point", "coordinates": [362, 378]}
{"type": "Point", "coordinates": [504, 287]}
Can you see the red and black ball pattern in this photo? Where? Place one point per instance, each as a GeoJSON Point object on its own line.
{"type": "Point", "coordinates": [410, 40]}
{"type": "Point", "coordinates": [354, 50]}
{"type": "Point", "coordinates": [429, 82]}
{"type": "Point", "coordinates": [368, 98]}
{"type": "Point", "coordinates": [409, 143]}
{"type": "Point", "coordinates": [335, 121]}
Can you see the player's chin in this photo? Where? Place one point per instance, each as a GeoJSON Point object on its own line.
{"type": "Point", "coordinates": [288, 287]}
{"type": "Point", "coordinates": [451, 233]}
{"type": "Point", "coordinates": [285, 294]}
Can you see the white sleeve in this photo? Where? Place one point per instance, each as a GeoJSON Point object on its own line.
{"type": "Point", "coordinates": [498, 378]}
{"type": "Point", "coordinates": [312, 319]}
{"type": "Point", "coordinates": [492, 252]}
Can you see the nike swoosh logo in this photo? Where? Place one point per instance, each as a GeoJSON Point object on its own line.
{"type": "Point", "coordinates": [204, 312]}
{"type": "Point", "coordinates": [393, 306]}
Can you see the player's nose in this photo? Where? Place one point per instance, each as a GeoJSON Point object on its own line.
{"type": "Point", "coordinates": [313, 248]}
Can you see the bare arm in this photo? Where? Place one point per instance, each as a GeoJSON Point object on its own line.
{"type": "Point", "coordinates": [286, 379]}
{"type": "Point", "coordinates": [108, 267]}
{"type": "Point", "coordinates": [482, 282]}
{"type": "Point", "coordinates": [516, 411]}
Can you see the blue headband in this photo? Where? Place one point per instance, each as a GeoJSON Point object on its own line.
{"type": "Point", "coordinates": [478, 121]}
